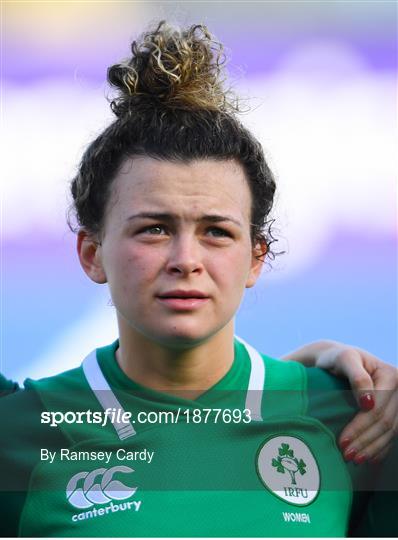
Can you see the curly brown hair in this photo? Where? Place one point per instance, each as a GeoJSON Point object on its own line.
{"type": "Point", "coordinates": [171, 105]}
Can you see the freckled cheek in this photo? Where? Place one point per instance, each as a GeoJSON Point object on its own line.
{"type": "Point", "coordinates": [138, 267]}
{"type": "Point", "coordinates": [230, 269]}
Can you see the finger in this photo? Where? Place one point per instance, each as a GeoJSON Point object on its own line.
{"type": "Point", "coordinates": [359, 455]}
{"type": "Point", "coordinates": [375, 423]}
{"type": "Point", "coordinates": [379, 457]}
{"type": "Point", "coordinates": [368, 432]}
{"type": "Point", "coordinates": [360, 366]}
{"type": "Point", "coordinates": [350, 362]}
{"type": "Point", "coordinates": [364, 452]}
{"type": "Point", "coordinates": [385, 377]}
{"type": "Point", "coordinates": [385, 412]}
{"type": "Point", "coordinates": [358, 425]}
{"type": "Point", "coordinates": [376, 451]}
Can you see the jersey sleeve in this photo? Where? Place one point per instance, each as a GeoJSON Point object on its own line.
{"type": "Point", "coordinates": [330, 399]}
{"type": "Point", "coordinates": [22, 437]}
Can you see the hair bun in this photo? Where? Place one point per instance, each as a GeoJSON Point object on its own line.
{"type": "Point", "coordinates": [181, 69]}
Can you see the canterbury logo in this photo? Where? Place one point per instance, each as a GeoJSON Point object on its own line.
{"type": "Point", "coordinates": [85, 489]}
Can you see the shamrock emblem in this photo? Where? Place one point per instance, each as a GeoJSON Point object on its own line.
{"type": "Point", "coordinates": [286, 461]}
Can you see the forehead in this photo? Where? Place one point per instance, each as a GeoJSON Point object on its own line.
{"type": "Point", "coordinates": [145, 183]}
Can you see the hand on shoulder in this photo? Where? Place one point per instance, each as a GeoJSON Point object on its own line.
{"type": "Point", "coordinates": [375, 386]}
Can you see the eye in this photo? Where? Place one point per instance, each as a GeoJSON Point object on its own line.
{"type": "Point", "coordinates": [155, 230]}
{"type": "Point", "coordinates": [217, 232]}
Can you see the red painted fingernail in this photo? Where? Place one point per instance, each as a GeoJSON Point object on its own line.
{"type": "Point", "coordinates": [344, 443]}
{"type": "Point", "coordinates": [359, 459]}
{"type": "Point", "coordinates": [367, 402]}
{"type": "Point", "coordinates": [350, 454]}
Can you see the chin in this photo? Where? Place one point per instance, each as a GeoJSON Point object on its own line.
{"type": "Point", "coordinates": [181, 338]}
{"type": "Point", "coordinates": [181, 341]}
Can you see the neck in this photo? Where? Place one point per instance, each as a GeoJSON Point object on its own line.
{"type": "Point", "coordinates": [186, 373]}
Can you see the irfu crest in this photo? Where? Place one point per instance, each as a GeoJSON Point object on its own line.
{"type": "Point", "coordinates": [286, 461]}
{"type": "Point", "coordinates": [287, 454]}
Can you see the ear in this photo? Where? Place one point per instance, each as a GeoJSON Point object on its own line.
{"type": "Point", "coordinates": [89, 251]}
{"type": "Point", "coordinates": [257, 262]}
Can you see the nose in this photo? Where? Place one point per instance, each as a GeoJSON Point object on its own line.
{"type": "Point", "coordinates": [185, 256]}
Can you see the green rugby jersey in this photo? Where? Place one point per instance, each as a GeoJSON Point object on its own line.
{"type": "Point", "coordinates": [279, 474]}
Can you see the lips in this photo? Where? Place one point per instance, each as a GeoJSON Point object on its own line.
{"type": "Point", "coordinates": [183, 294]}
{"type": "Point", "coordinates": [180, 300]}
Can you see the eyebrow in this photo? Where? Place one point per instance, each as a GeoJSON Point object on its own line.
{"type": "Point", "coordinates": [213, 218]}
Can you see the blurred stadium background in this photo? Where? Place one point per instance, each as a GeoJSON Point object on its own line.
{"type": "Point", "coordinates": [322, 79]}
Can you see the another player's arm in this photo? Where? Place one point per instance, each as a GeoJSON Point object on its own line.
{"type": "Point", "coordinates": [375, 386]}
{"type": "Point", "coordinates": [375, 486]}
{"type": "Point", "coordinates": [7, 386]}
